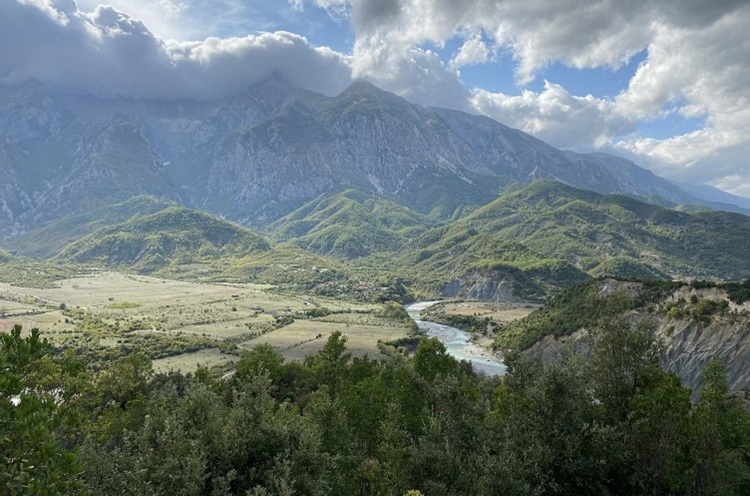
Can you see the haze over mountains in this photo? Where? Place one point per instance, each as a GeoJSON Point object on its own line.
{"type": "Point", "coordinates": [263, 153]}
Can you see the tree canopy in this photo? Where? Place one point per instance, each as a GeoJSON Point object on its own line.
{"type": "Point", "coordinates": [614, 423]}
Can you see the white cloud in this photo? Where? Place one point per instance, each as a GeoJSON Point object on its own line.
{"type": "Point", "coordinates": [414, 73]}
{"type": "Point", "coordinates": [704, 71]}
{"type": "Point", "coordinates": [696, 64]}
{"type": "Point", "coordinates": [473, 51]}
{"type": "Point", "coordinates": [580, 33]}
{"type": "Point", "coordinates": [110, 53]}
{"type": "Point", "coordinates": [555, 116]}
{"type": "Point", "coordinates": [337, 9]}
{"type": "Point", "coordinates": [167, 18]}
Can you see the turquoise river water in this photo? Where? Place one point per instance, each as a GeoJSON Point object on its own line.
{"type": "Point", "coordinates": [457, 342]}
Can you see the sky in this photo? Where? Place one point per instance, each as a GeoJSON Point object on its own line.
{"type": "Point", "coordinates": [663, 83]}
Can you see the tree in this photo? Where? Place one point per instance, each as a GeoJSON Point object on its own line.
{"type": "Point", "coordinates": [624, 360]}
{"type": "Point", "coordinates": [122, 390]}
{"type": "Point", "coordinates": [126, 379]}
{"type": "Point", "coordinates": [36, 422]}
{"type": "Point", "coordinates": [262, 357]}
{"type": "Point", "coordinates": [554, 433]}
{"type": "Point", "coordinates": [722, 437]}
{"type": "Point", "coordinates": [659, 438]}
{"type": "Point", "coordinates": [432, 359]}
{"type": "Point", "coordinates": [331, 360]}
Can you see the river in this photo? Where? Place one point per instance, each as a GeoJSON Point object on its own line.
{"type": "Point", "coordinates": [457, 342]}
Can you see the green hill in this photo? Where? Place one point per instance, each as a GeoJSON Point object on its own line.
{"type": "Point", "coordinates": [549, 235]}
{"type": "Point", "coordinates": [463, 262]}
{"type": "Point", "coordinates": [526, 244]}
{"type": "Point", "coordinates": [184, 243]}
{"type": "Point", "coordinates": [23, 271]}
{"type": "Point", "coordinates": [584, 305]}
{"type": "Point", "coordinates": [171, 237]}
{"type": "Point", "coordinates": [5, 256]}
{"type": "Point", "coordinates": [48, 240]}
{"type": "Point", "coordinates": [350, 224]}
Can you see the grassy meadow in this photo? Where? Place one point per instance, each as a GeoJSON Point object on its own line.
{"type": "Point", "coordinates": [181, 324]}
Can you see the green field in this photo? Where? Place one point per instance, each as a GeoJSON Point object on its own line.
{"type": "Point", "coordinates": [304, 338]}
{"type": "Point", "coordinates": [181, 324]}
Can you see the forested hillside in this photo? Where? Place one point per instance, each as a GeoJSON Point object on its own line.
{"type": "Point", "coordinates": [350, 224]}
{"type": "Point", "coordinates": [547, 236]}
{"type": "Point", "coordinates": [616, 424]}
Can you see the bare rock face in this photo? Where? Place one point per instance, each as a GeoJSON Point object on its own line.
{"type": "Point", "coordinates": [689, 346]}
{"type": "Point", "coordinates": [257, 155]}
{"type": "Point", "coordinates": [486, 285]}
{"type": "Point", "coordinates": [688, 343]}
{"type": "Point", "coordinates": [551, 349]}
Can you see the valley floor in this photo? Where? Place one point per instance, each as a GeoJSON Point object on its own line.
{"type": "Point", "coordinates": [183, 324]}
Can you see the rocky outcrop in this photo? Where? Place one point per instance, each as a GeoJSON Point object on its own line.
{"type": "Point", "coordinates": [689, 343]}
{"type": "Point", "coordinates": [485, 285]}
{"type": "Point", "coordinates": [551, 349]}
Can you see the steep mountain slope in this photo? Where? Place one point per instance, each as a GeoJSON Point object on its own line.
{"type": "Point", "coordinates": [260, 154]}
{"type": "Point", "coordinates": [716, 198]}
{"type": "Point", "coordinates": [583, 233]}
{"type": "Point", "coordinates": [364, 138]}
{"type": "Point", "coordinates": [350, 224]}
{"type": "Point", "coordinates": [57, 160]}
{"type": "Point", "coordinates": [523, 158]}
{"type": "Point", "coordinates": [14, 194]}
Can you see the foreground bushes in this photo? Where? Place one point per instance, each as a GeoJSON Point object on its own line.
{"type": "Point", "coordinates": [615, 424]}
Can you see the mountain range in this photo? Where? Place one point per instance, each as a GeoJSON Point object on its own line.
{"type": "Point", "coordinates": [261, 154]}
{"type": "Point", "coordinates": [453, 203]}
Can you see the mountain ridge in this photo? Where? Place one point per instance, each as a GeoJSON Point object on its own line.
{"type": "Point", "coordinates": [547, 235]}
{"type": "Point", "coordinates": [258, 155]}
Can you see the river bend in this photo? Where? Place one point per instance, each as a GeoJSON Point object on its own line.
{"type": "Point", "coordinates": [457, 342]}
